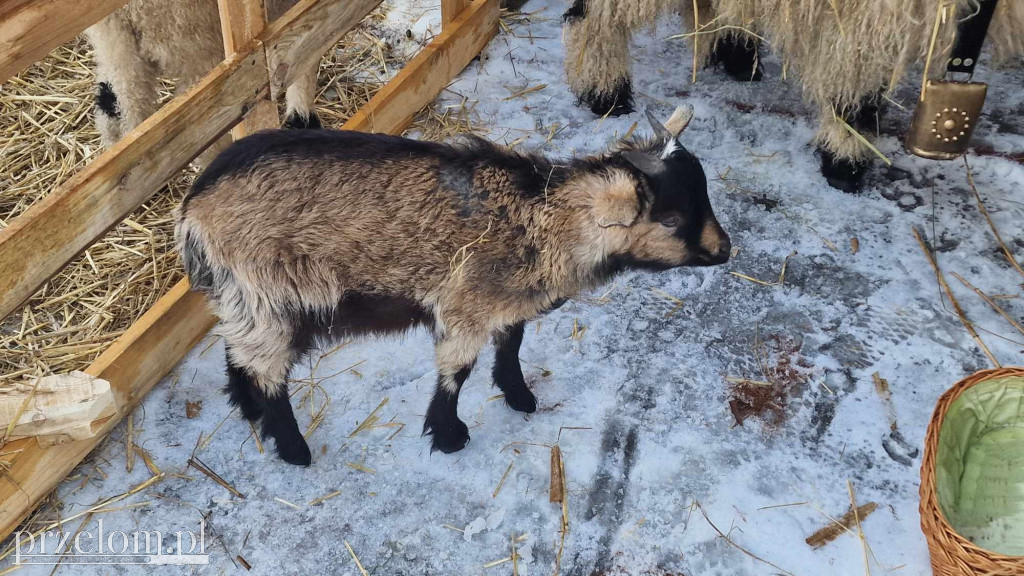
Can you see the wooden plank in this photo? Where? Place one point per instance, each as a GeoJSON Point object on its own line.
{"type": "Point", "coordinates": [177, 322]}
{"type": "Point", "coordinates": [297, 40]}
{"type": "Point", "coordinates": [31, 29]}
{"type": "Point", "coordinates": [241, 22]}
{"type": "Point", "coordinates": [133, 365]}
{"type": "Point", "coordinates": [450, 9]}
{"type": "Point", "coordinates": [422, 79]}
{"type": "Point", "coordinates": [48, 235]}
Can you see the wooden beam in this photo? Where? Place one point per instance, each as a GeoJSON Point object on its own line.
{"type": "Point", "coordinates": [133, 364]}
{"type": "Point", "coordinates": [422, 79]}
{"type": "Point", "coordinates": [49, 234]}
{"type": "Point", "coordinates": [31, 29]}
{"type": "Point", "coordinates": [297, 40]}
{"type": "Point", "coordinates": [450, 9]}
{"type": "Point", "coordinates": [241, 22]}
{"type": "Point", "coordinates": [151, 348]}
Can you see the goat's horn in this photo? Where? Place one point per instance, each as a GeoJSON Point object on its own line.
{"type": "Point", "coordinates": [679, 120]}
{"type": "Point", "coordinates": [659, 129]}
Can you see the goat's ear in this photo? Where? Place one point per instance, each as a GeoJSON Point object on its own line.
{"type": "Point", "coordinates": [644, 161]}
{"type": "Point", "coordinates": [616, 202]}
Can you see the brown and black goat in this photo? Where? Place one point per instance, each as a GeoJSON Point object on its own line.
{"type": "Point", "coordinates": [302, 236]}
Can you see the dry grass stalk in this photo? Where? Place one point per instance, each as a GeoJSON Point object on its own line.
{"type": "Point", "coordinates": [356, 559]}
{"type": "Point", "coordinates": [678, 303]}
{"type": "Point", "coordinates": [555, 493]}
{"type": "Point", "coordinates": [245, 563]}
{"type": "Point", "coordinates": [1013, 322]}
{"type": "Point", "coordinates": [565, 511]}
{"type": "Point", "coordinates": [360, 467]}
{"type": "Point", "coordinates": [952, 299]}
{"type": "Point", "coordinates": [854, 245]}
{"type": "Point", "coordinates": [370, 420]}
{"type": "Point", "coordinates": [860, 531]}
{"type": "Point", "coordinates": [198, 465]}
{"type": "Point", "coordinates": [991, 224]}
{"type": "Point", "coordinates": [502, 481]}
{"type": "Point", "coordinates": [324, 498]}
{"type": "Point", "coordinates": [737, 546]}
{"type": "Point", "coordinates": [837, 526]}
{"type": "Point", "coordinates": [287, 503]}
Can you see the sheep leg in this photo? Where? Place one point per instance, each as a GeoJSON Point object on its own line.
{"type": "Point", "coordinates": [844, 160]}
{"type": "Point", "coordinates": [508, 373]}
{"type": "Point", "coordinates": [127, 85]}
{"type": "Point", "coordinates": [299, 103]}
{"type": "Point", "coordinates": [456, 355]}
{"type": "Point", "coordinates": [740, 56]}
{"type": "Point", "coordinates": [597, 62]}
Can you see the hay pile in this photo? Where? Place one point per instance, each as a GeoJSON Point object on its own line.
{"type": "Point", "coordinates": [47, 134]}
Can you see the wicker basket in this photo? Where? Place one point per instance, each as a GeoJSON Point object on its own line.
{"type": "Point", "coordinates": [951, 553]}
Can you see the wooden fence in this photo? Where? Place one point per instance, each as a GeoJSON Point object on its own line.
{"type": "Point", "coordinates": [238, 95]}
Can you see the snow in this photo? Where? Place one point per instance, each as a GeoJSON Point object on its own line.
{"type": "Point", "coordinates": [640, 403]}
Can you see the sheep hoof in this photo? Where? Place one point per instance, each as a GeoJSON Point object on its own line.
{"type": "Point", "coordinates": [615, 102]}
{"type": "Point", "coordinates": [297, 121]}
{"type": "Point", "coordinates": [448, 438]}
{"type": "Point", "coordinates": [294, 451]}
{"type": "Point", "coordinates": [842, 173]}
{"type": "Point", "coordinates": [739, 57]}
{"type": "Point", "coordinates": [521, 400]}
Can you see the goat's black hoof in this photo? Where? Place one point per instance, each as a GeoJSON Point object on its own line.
{"type": "Point", "coordinates": [448, 437]}
{"type": "Point", "coordinates": [296, 121]}
{"type": "Point", "coordinates": [739, 57]}
{"type": "Point", "coordinates": [294, 451]}
{"type": "Point", "coordinates": [522, 400]}
{"type": "Point", "coordinates": [615, 102]}
{"type": "Point", "coordinates": [842, 173]}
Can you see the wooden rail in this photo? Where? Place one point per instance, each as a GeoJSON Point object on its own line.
{"type": "Point", "coordinates": [31, 29]}
{"type": "Point", "coordinates": [89, 204]}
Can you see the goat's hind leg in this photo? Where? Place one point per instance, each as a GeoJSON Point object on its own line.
{"type": "Point", "coordinates": [508, 372]}
{"type": "Point", "coordinates": [257, 383]}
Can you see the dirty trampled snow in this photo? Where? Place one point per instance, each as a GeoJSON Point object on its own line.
{"type": "Point", "coordinates": [640, 403]}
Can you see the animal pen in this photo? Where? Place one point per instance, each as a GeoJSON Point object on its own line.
{"type": "Point", "coordinates": [238, 95]}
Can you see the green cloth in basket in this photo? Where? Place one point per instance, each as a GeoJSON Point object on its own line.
{"type": "Point", "coordinates": [979, 475]}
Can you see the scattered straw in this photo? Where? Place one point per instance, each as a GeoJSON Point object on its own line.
{"type": "Point", "coordinates": [991, 224]}
{"type": "Point", "coordinates": [356, 559]}
{"type": "Point", "coordinates": [287, 503]}
{"type": "Point", "coordinates": [502, 481]}
{"type": "Point", "coordinates": [836, 527]}
{"type": "Point", "coordinates": [324, 498]}
{"type": "Point", "coordinates": [737, 546]}
{"type": "Point", "coordinates": [360, 467]}
{"type": "Point", "coordinates": [860, 531]}
{"type": "Point", "coordinates": [209, 473]}
{"type": "Point", "coordinates": [952, 299]}
{"type": "Point", "coordinates": [999, 309]}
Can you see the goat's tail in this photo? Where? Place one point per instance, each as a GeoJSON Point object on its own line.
{"type": "Point", "coordinates": [192, 247]}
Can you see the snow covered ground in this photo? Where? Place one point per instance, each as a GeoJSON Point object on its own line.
{"type": "Point", "coordinates": [639, 404]}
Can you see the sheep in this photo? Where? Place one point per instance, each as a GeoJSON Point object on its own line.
{"type": "Point", "coordinates": [179, 39]}
{"type": "Point", "coordinates": [846, 54]}
{"type": "Point", "coordinates": [305, 236]}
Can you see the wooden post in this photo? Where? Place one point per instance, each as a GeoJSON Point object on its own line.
{"type": "Point", "coordinates": [450, 9]}
{"type": "Point", "coordinates": [241, 22]}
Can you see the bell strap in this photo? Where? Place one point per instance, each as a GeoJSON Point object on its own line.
{"type": "Point", "coordinates": [970, 36]}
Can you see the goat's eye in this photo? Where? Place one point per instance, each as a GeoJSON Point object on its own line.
{"type": "Point", "coordinates": [672, 221]}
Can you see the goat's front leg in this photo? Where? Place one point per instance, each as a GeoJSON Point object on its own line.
{"type": "Point", "coordinates": [508, 373]}
{"type": "Point", "coordinates": [456, 355]}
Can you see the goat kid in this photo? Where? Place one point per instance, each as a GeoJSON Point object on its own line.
{"type": "Point", "coordinates": [300, 236]}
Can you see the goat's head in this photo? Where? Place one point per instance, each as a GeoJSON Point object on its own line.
{"type": "Point", "coordinates": [664, 219]}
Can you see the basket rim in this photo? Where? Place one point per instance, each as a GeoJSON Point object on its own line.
{"type": "Point", "coordinates": [929, 507]}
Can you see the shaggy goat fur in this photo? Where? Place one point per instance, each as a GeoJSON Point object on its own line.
{"type": "Point", "coordinates": [299, 236]}
{"type": "Point", "coordinates": [845, 52]}
{"type": "Point", "coordinates": [179, 39]}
